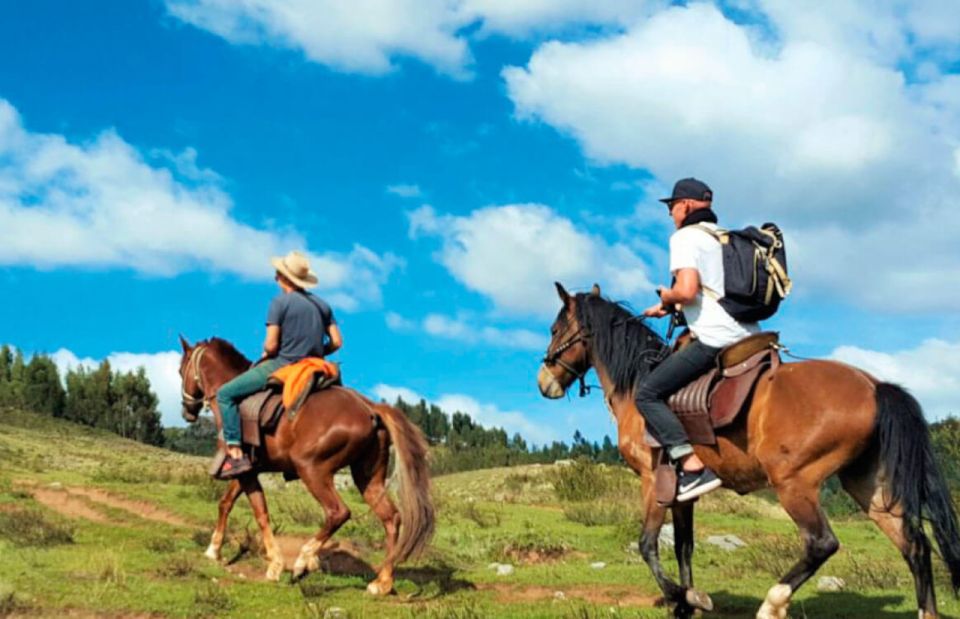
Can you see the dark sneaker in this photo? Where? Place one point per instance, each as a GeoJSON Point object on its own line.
{"type": "Point", "coordinates": [692, 485]}
{"type": "Point", "coordinates": [234, 467]}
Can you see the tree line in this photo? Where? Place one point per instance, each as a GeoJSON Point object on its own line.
{"type": "Point", "coordinates": [458, 443]}
{"type": "Point", "coordinates": [120, 402]}
{"type": "Point", "coordinates": [461, 444]}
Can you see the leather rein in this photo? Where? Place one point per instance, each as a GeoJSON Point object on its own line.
{"type": "Point", "coordinates": [189, 400]}
{"type": "Point", "coordinates": [553, 358]}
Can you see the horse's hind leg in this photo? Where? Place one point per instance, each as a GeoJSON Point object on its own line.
{"type": "Point", "coordinates": [801, 499]}
{"type": "Point", "coordinates": [319, 481]}
{"type": "Point", "coordinates": [225, 506]}
{"type": "Point", "coordinates": [370, 475]}
{"type": "Point", "coordinates": [867, 489]}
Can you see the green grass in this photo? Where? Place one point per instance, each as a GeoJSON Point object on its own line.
{"type": "Point", "coordinates": [549, 523]}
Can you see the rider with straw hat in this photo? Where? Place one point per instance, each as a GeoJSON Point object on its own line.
{"type": "Point", "coordinates": [298, 324]}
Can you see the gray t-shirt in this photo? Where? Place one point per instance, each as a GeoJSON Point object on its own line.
{"type": "Point", "coordinates": [303, 320]}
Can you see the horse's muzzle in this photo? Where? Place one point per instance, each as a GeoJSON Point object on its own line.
{"type": "Point", "coordinates": [549, 386]}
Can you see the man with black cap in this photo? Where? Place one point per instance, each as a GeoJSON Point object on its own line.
{"type": "Point", "coordinates": [696, 263]}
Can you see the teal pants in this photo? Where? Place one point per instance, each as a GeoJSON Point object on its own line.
{"type": "Point", "coordinates": [233, 392]}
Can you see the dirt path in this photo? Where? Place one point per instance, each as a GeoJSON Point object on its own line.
{"type": "Point", "coordinates": [596, 594]}
{"type": "Point", "coordinates": [75, 502]}
{"type": "Point", "coordinates": [141, 509]}
{"type": "Point", "coordinates": [67, 504]}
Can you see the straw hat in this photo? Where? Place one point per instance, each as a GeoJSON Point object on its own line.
{"type": "Point", "coordinates": [295, 267]}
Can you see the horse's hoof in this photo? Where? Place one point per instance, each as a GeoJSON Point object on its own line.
{"type": "Point", "coordinates": [313, 564]}
{"type": "Point", "coordinates": [699, 599]}
{"type": "Point", "coordinates": [373, 588]}
{"type": "Point", "coordinates": [212, 553]}
{"type": "Point", "coordinates": [274, 572]}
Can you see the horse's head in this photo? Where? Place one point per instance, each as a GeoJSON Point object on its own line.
{"type": "Point", "coordinates": [568, 354]}
{"type": "Point", "coordinates": [192, 396]}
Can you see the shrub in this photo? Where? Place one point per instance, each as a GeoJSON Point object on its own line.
{"type": "Point", "coordinates": [160, 544]}
{"type": "Point", "coordinates": [483, 518]}
{"type": "Point", "coordinates": [581, 481]}
{"type": "Point", "coordinates": [33, 528]}
{"type": "Point", "coordinates": [599, 514]}
{"type": "Point", "coordinates": [211, 599]}
{"type": "Point", "coordinates": [178, 566]}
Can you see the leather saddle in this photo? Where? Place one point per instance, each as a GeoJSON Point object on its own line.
{"type": "Point", "coordinates": [714, 400]}
{"type": "Point", "coordinates": [260, 412]}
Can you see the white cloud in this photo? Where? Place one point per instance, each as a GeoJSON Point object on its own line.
{"type": "Point", "coordinates": [357, 36]}
{"type": "Point", "coordinates": [488, 415]}
{"type": "Point", "coordinates": [100, 204]}
{"type": "Point", "coordinates": [390, 393]}
{"type": "Point", "coordinates": [513, 254]}
{"type": "Point", "coordinates": [931, 371]}
{"type": "Point", "coordinates": [405, 190]}
{"type": "Point", "coordinates": [461, 329]}
{"type": "Point", "coordinates": [521, 18]}
{"type": "Point", "coordinates": [470, 329]}
{"type": "Point", "coordinates": [823, 134]}
{"type": "Point", "coordinates": [162, 369]}
{"type": "Point", "coordinates": [366, 36]}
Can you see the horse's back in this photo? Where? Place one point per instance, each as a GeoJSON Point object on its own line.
{"type": "Point", "coordinates": [810, 412]}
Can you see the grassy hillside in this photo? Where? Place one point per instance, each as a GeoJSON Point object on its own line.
{"type": "Point", "coordinates": [85, 532]}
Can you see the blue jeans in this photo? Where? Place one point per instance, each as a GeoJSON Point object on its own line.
{"type": "Point", "coordinates": [233, 392]}
{"type": "Point", "coordinates": [675, 372]}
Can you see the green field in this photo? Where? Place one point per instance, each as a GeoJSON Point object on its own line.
{"type": "Point", "coordinates": [84, 532]}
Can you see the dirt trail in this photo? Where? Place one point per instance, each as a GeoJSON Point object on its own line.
{"type": "Point", "coordinates": [76, 502]}
{"type": "Point", "coordinates": [142, 509]}
{"type": "Point", "coordinates": [68, 504]}
{"type": "Point", "coordinates": [596, 594]}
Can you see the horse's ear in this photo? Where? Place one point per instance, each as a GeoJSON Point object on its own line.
{"type": "Point", "coordinates": [562, 292]}
{"type": "Point", "coordinates": [595, 291]}
{"type": "Point", "coordinates": [184, 343]}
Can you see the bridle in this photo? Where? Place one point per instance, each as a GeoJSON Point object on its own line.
{"type": "Point", "coordinates": [581, 335]}
{"type": "Point", "coordinates": [189, 400]}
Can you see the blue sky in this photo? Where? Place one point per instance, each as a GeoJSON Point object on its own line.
{"type": "Point", "coordinates": [445, 161]}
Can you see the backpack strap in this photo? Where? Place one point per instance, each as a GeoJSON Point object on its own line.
{"type": "Point", "coordinates": [721, 236]}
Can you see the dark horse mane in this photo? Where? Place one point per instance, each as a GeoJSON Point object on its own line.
{"type": "Point", "coordinates": [227, 352]}
{"type": "Point", "coordinates": [622, 341]}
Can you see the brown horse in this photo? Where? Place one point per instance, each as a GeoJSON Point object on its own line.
{"type": "Point", "coordinates": [334, 428]}
{"type": "Point", "coordinates": [806, 422]}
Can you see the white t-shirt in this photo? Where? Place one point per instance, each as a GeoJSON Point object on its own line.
{"type": "Point", "coordinates": [691, 248]}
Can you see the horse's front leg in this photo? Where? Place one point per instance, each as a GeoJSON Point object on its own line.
{"type": "Point", "coordinates": [258, 502]}
{"type": "Point", "coordinates": [683, 597]}
{"type": "Point", "coordinates": [225, 506]}
{"type": "Point", "coordinates": [683, 548]}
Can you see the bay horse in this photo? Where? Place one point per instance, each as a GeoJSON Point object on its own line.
{"type": "Point", "coordinates": [334, 428]}
{"type": "Point", "coordinates": [806, 422]}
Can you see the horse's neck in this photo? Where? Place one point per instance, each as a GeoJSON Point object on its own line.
{"type": "Point", "coordinates": [216, 373]}
{"type": "Point", "coordinates": [630, 424]}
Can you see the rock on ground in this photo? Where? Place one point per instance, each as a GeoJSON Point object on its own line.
{"type": "Point", "coordinates": [598, 565]}
{"type": "Point", "coordinates": [831, 583]}
{"type": "Point", "coordinates": [666, 539]}
{"type": "Point", "coordinates": [726, 542]}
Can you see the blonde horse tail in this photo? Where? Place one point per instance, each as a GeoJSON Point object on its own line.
{"type": "Point", "coordinates": [417, 515]}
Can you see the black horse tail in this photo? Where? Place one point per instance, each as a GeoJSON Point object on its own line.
{"type": "Point", "coordinates": [915, 483]}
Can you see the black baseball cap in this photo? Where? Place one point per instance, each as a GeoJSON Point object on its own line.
{"type": "Point", "coordinates": [690, 188]}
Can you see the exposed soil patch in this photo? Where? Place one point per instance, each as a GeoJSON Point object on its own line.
{"type": "Point", "coordinates": [76, 502]}
{"type": "Point", "coordinates": [142, 509]}
{"type": "Point", "coordinates": [595, 594]}
{"type": "Point", "coordinates": [337, 557]}
{"type": "Point", "coordinates": [67, 504]}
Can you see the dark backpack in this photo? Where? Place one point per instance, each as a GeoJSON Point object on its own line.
{"type": "Point", "coordinates": [754, 271]}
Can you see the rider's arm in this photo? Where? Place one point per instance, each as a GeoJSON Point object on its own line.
{"type": "Point", "coordinates": [684, 290]}
{"type": "Point", "coordinates": [271, 343]}
{"type": "Point", "coordinates": [336, 340]}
